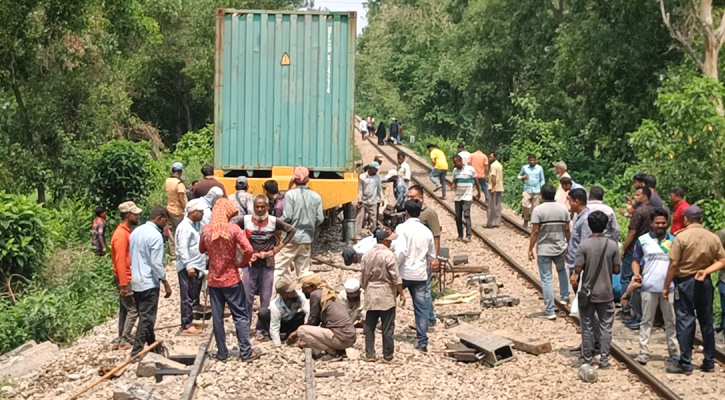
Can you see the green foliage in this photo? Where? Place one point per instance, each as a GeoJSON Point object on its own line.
{"type": "Point", "coordinates": [713, 213]}
{"type": "Point", "coordinates": [23, 235]}
{"type": "Point", "coordinates": [684, 146]}
{"type": "Point", "coordinates": [84, 298]}
{"type": "Point", "coordinates": [122, 171]}
{"type": "Point", "coordinates": [70, 222]}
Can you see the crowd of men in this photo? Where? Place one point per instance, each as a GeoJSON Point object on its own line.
{"type": "Point", "coordinates": [241, 246]}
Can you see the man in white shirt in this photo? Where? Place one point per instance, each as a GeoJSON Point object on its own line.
{"type": "Point", "coordinates": [287, 312]}
{"type": "Point", "coordinates": [363, 128]}
{"type": "Point", "coordinates": [414, 250]}
{"type": "Point", "coordinates": [595, 203]}
{"type": "Point", "coordinates": [403, 167]}
{"type": "Point", "coordinates": [370, 194]}
{"type": "Point", "coordinates": [465, 155]}
{"type": "Point", "coordinates": [464, 179]}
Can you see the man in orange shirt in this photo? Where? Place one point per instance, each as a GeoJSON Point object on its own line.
{"type": "Point", "coordinates": [479, 161]}
{"type": "Point", "coordinates": [121, 259]}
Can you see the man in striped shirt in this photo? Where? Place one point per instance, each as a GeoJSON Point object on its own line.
{"type": "Point", "coordinates": [464, 178]}
{"type": "Point", "coordinates": [550, 234]}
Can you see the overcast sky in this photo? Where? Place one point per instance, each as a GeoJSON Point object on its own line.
{"type": "Point", "coordinates": [346, 5]}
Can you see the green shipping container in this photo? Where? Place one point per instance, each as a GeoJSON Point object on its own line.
{"type": "Point", "coordinates": [284, 90]}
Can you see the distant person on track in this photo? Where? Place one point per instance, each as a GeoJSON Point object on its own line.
{"type": "Point", "coordinates": [639, 224]}
{"type": "Point", "coordinates": [394, 131]}
{"type": "Point", "coordinates": [98, 240]}
{"type": "Point", "coordinates": [175, 204]}
{"type": "Point", "coordinates": [190, 264]}
{"type": "Point", "coordinates": [650, 267]}
{"type": "Point", "coordinates": [479, 161]}
{"type": "Point", "coordinates": [258, 279]}
{"type": "Point", "coordinates": [440, 169]}
{"type": "Point", "coordinates": [302, 210]}
{"type": "Point", "coordinates": [561, 172]}
{"type": "Point", "coordinates": [220, 239]}
{"type": "Point", "coordinates": [580, 228]}
{"type": "Point", "coordinates": [371, 126]}
{"type": "Point", "coordinates": [694, 255]}
{"type": "Point", "coordinates": [329, 327]}
{"type": "Point", "coordinates": [533, 176]}
{"type": "Point", "coordinates": [679, 205]}
{"type": "Point", "coordinates": [596, 203]}
{"type": "Point", "coordinates": [276, 199]}
{"type": "Point", "coordinates": [381, 133]}
{"type": "Point", "coordinates": [353, 298]}
{"type": "Point", "coordinates": [464, 154]}
{"type": "Point", "coordinates": [363, 127]}
{"type": "Point", "coordinates": [400, 189]}
{"type": "Point", "coordinates": [369, 196]}
{"type": "Point", "coordinates": [597, 259]}
{"type": "Point", "coordinates": [550, 233]}
{"type": "Point", "coordinates": [464, 180]}
{"type": "Point", "coordinates": [403, 168]}
{"type": "Point", "coordinates": [202, 188]}
{"type": "Point", "coordinates": [429, 218]}
{"type": "Point", "coordinates": [121, 260]}
{"type": "Point", "coordinates": [415, 250]}
{"type": "Point", "coordinates": [146, 246]}
{"type": "Point", "coordinates": [287, 312]}
{"type": "Point", "coordinates": [243, 201]}
{"type": "Point", "coordinates": [381, 282]}
{"type": "Point", "coordinates": [493, 219]}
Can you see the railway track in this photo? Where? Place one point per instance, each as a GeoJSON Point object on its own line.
{"type": "Point", "coordinates": [499, 239]}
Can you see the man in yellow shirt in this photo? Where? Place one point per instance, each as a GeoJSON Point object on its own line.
{"type": "Point", "coordinates": [175, 204]}
{"type": "Point", "coordinates": [440, 169]}
{"type": "Point", "coordinates": [494, 205]}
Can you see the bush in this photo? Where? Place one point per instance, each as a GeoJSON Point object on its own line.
{"type": "Point", "coordinates": [122, 171]}
{"type": "Point", "coordinates": [71, 222]}
{"type": "Point", "coordinates": [62, 312]}
{"type": "Point", "coordinates": [23, 235]}
{"type": "Point", "coordinates": [713, 213]}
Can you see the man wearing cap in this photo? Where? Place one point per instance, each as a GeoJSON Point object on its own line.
{"type": "Point", "coordinates": [261, 229]}
{"type": "Point", "coordinates": [369, 196]}
{"type": "Point", "coordinates": [287, 312]}
{"type": "Point", "coordinates": [381, 282]}
{"type": "Point", "coordinates": [400, 189]}
{"type": "Point", "coordinates": [121, 260]}
{"type": "Point", "coordinates": [242, 200]}
{"type": "Point", "coordinates": [202, 188]}
{"type": "Point", "coordinates": [352, 298]}
{"type": "Point", "coordinates": [146, 246]}
{"type": "Point", "coordinates": [329, 327]}
{"type": "Point", "coordinates": [414, 251]}
{"type": "Point", "coordinates": [695, 253]}
{"type": "Point", "coordinates": [190, 263]}
{"type": "Point", "coordinates": [175, 203]}
{"type": "Point", "coordinates": [302, 210]}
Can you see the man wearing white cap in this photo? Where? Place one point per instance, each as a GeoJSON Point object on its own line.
{"type": "Point", "coordinates": [121, 260]}
{"type": "Point", "coordinates": [242, 200]}
{"type": "Point", "coordinates": [369, 196]}
{"type": "Point", "coordinates": [175, 203]}
{"type": "Point", "coordinates": [352, 298]}
{"type": "Point", "coordinates": [190, 263]}
{"type": "Point", "coordinates": [400, 189]}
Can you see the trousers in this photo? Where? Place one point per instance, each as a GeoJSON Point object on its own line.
{"type": "Point", "coordinates": [463, 216]}
{"type": "Point", "coordinates": [650, 303]}
{"type": "Point", "coordinates": [174, 221]}
{"type": "Point", "coordinates": [547, 281]}
{"type": "Point", "coordinates": [694, 299]}
{"type": "Point", "coordinates": [529, 201]}
{"type": "Point", "coordinates": [319, 338]}
{"type": "Point", "coordinates": [484, 187]}
{"type": "Point", "coordinates": [127, 316]}
{"type": "Point", "coordinates": [299, 254]}
{"type": "Point", "coordinates": [285, 326]}
{"type": "Point", "coordinates": [494, 210]}
{"type": "Point", "coordinates": [258, 280]}
{"type": "Point", "coordinates": [367, 217]}
{"type": "Point", "coordinates": [147, 304]}
{"type": "Point", "coordinates": [438, 177]}
{"type": "Point", "coordinates": [387, 320]}
{"type": "Point", "coordinates": [189, 292]}
{"type": "Point", "coordinates": [421, 309]}
{"type": "Point", "coordinates": [604, 312]}
{"type": "Point", "coordinates": [234, 297]}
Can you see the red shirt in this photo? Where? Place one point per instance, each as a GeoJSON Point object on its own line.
{"type": "Point", "coordinates": [678, 220]}
{"type": "Point", "coordinates": [120, 256]}
{"type": "Point", "coordinates": [223, 255]}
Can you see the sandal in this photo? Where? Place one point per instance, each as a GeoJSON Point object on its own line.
{"type": "Point", "coordinates": [254, 356]}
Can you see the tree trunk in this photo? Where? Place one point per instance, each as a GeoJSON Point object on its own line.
{"type": "Point", "coordinates": [41, 192]}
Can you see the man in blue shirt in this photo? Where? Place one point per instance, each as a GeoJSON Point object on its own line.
{"type": "Point", "coordinates": [147, 271]}
{"type": "Point", "coordinates": [533, 176]}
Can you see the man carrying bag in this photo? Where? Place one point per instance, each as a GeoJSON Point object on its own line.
{"type": "Point", "coordinates": [597, 259]}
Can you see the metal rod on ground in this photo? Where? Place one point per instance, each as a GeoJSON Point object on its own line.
{"type": "Point", "coordinates": [309, 375]}
{"type": "Point", "coordinates": [117, 369]}
{"type": "Point", "coordinates": [346, 268]}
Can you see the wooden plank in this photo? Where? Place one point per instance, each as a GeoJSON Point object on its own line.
{"type": "Point", "coordinates": [190, 388]}
{"type": "Point", "coordinates": [309, 375]}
